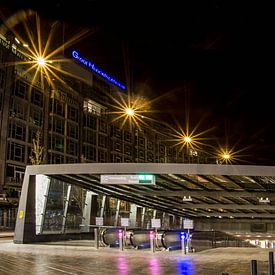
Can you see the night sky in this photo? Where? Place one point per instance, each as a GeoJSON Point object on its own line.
{"type": "Point", "coordinates": [215, 59]}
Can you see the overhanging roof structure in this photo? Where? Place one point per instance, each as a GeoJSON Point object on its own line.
{"type": "Point", "coordinates": [229, 191]}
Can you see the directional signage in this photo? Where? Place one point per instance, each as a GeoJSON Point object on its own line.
{"type": "Point", "coordinates": [128, 179]}
{"type": "Point", "coordinates": [124, 222]}
{"type": "Point", "coordinates": [99, 220]}
{"type": "Point", "coordinates": [188, 224]}
{"type": "Point", "coordinates": [155, 223]}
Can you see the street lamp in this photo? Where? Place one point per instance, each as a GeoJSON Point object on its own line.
{"type": "Point", "coordinates": [41, 62]}
{"type": "Point", "coordinates": [130, 112]}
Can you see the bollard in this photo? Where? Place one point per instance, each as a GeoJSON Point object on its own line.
{"type": "Point", "coordinates": [96, 238]}
{"type": "Point", "coordinates": [152, 241]}
{"type": "Point", "coordinates": [183, 246]}
{"type": "Point", "coordinates": [253, 267]}
{"type": "Point", "coordinates": [120, 237]}
{"type": "Point", "coordinates": [270, 263]}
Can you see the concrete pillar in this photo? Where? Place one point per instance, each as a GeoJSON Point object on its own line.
{"type": "Point", "coordinates": [133, 215]}
{"type": "Point", "coordinates": [117, 212]}
{"type": "Point", "coordinates": [5, 217]}
{"type": "Point", "coordinates": [66, 208]}
{"type": "Point", "coordinates": [102, 206]}
{"type": "Point", "coordinates": [86, 220]}
{"type": "Point", "coordinates": [142, 216]}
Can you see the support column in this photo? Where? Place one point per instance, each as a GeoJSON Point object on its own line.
{"type": "Point", "coordinates": [86, 220]}
{"type": "Point", "coordinates": [133, 215]}
{"type": "Point", "coordinates": [181, 222]}
{"type": "Point", "coordinates": [142, 216]}
{"type": "Point", "coordinates": [5, 218]}
{"type": "Point", "coordinates": [102, 206]}
{"type": "Point", "coordinates": [66, 208]}
{"type": "Point", "coordinates": [117, 212]}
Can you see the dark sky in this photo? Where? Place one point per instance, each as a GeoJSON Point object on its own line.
{"type": "Point", "coordinates": [214, 58]}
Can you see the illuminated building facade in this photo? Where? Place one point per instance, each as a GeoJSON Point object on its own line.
{"type": "Point", "coordinates": [73, 123]}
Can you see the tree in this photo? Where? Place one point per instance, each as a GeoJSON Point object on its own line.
{"type": "Point", "coordinates": [37, 154]}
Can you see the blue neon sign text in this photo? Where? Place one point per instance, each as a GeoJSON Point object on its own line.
{"type": "Point", "coordinates": [92, 66]}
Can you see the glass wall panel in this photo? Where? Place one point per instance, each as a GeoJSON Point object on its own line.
{"type": "Point", "coordinates": [75, 208]}
{"type": "Point", "coordinates": [55, 206]}
{"type": "Point", "coordinates": [41, 190]}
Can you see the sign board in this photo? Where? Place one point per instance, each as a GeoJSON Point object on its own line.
{"type": "Point", "coordinates": [128, 179]}
{"type": "Point", "coordinates": [155, 223]}
{"type": "Point", "coordinates": [99, 221]}
{"type": "Point", "coordinates": [124, 222]}
{"type": "Point", "coordinates": [188, 224]}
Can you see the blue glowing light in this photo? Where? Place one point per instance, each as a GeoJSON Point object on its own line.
{"type": "Point", "coordinates": [182, 235]}
{"type": "Point", "coordinates": [92, 67]}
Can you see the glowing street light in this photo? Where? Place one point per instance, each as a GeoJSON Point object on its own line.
{"type": "Point", "coordinates": [226, 156]}
{"type": "Point", "coordinates": [41, 61]}
{"type": "Point", "coordinates": [129, 111]}
{"type": "Point", "coordinates": [187, 139]}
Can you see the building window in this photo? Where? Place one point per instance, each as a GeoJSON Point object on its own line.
{"type": "Point", "coordinates": [20, 89]}
{"type": "Point", "coordinates": [57, 107]}
{"type": "Point", "coordinates": [149, 145]}
{"type": "Point", "coordinates": [89, 152]}
{"type": "Point", "coordinates": [35, 116]}
{"type": "Point", "coordinates": [37, 98]}
{"type": "Point", "coordinates": [17, 131]}
{"type": "Point", "coordinates": [102, 141]}
{"type": "Point", "coordinates": [58, 125]}
{"type": "Point", "coordinates": [2, 79]}
{"type": "Point", "coordinates": [57, 158]}
{"type": "Point", "coordinates": [90, 136]}
{"type": "Point", "coordinates": [72, 113]}
{"type": "Point", "coordinates": [150, 157]}
{"type": "Point", "coordinates": [90, 121]}
{"type": "Point", "coordinates": [141, 154]}
{"type": "Point", "coordinates": [161, 149]}
{"type": "Point", "coordinates": [71, 160]}
{"type": "Point", "coordinates": [117, 146]}
{"type": "Point", "coordinates": [18, 109]}
{"type": "Point", "coordinates": [127, 150]}
{"type": "Point", "coordinates": [141, 141]}
{"type": "Point", "coordinates": [16, 152]}
{"type": "Point", "coordinates": [72, 130]}
{"type": "Point", "coordinates": [56, 143]}
{"type": "Point", "coordinates": [102, 156]}
{"type": "Point", "coordinates": [102, 126]}
{"type": "Point", "coordinates": [127, 136]}
{"type": "Point", "coordinates": [71, 147]}
{"type": "Point", "coordinates": [92, 107]}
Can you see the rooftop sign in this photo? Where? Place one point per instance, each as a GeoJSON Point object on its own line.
{"type": "Point", "coordinates": [128, 179]}
{"type": "Point", "coordinates": [93, 67]}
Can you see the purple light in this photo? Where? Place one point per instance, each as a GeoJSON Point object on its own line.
{"type": "Point", "coordinates": [120, 233]}
{"type": "Point", "coordinates": [152, 235]}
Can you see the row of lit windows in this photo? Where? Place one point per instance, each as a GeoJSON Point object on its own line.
{"type": "Point", "coordinates": [21, 90]}
{"type": "Point", "coordinates": [57, 143]}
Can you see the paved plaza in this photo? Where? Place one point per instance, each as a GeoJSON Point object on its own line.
{"type": "Point", "coordinates": [80, 257]}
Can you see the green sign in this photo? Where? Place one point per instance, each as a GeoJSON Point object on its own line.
{"type": "Point", "coordinates": [128, 179]}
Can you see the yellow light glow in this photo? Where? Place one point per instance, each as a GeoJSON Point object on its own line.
{"type": "Point", "coordinates": [226, 156]}
{"type": "Point", "coordinates": [187, 139]}
{"type": "Point", "coordinates": [130, 112]}
{"type": "Point", "coordinates": [41, 61]}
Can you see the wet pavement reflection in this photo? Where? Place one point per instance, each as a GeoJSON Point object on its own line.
{"type": "Point", "coordinates": [67, 259]}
